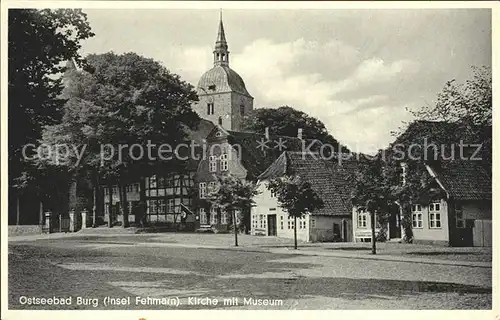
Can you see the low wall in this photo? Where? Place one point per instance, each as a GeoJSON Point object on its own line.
{"type": "Point", "coordinates": [24, 230]}
{"type": "Point", "coordinates": [441, 243]}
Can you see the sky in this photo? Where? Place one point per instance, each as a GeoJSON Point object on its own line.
{"type": "Point", "coordinates": [358, 71]}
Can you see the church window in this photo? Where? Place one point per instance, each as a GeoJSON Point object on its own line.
{"type": "Point", "coordinates": [223, 162]}
{"type": "Point", "coordinates": [203, 190]}
{"type": "Point", "coordinates": [212, 164]}
{"type": "Point", "coordinates": [203, 216]}
{"type": "Point", "coordinates": [210, 108]}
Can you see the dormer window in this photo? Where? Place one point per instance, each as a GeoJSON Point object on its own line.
{"type": "Point", "coordinates": [210, 108]}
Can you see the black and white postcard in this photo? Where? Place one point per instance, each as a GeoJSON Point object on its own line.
{"type": "Point", "coordinates": [161, 156]}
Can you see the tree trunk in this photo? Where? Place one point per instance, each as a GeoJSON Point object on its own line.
{"type": "Point", "coordinates": [142, 202]}
{"type": "Point", "coordinates": [40, 214]}
{"type": "Point", "coordinates": [235, 229]}
{"type": "Point", "coordinates": [374, 240]}
{"type": "Point", "coordinates": [123, 205]}
{"type": "Point", "coordinates": [73, 189]}
{"type": "Point", "coordinates": [18, 210]}
{"type": "Point", "coordinates": [110, 206]}
{"type": "Point", "coordinates": [295, 232]}
{"type": "Point", "coordinates": [94, 206]}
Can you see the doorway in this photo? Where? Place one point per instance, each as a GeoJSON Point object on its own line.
{"type": "Point", "coordinates": [395, 226]}
{"type": "Point", "coordinates": [271, 225]}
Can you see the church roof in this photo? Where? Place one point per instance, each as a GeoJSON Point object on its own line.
{"type": "Point", "coordinates": [221, 79]}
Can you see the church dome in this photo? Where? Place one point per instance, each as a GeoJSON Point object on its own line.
{"type": "Point", "coordinates": [221, 78]}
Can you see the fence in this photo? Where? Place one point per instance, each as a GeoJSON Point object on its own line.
{"type": "Point", "coordinates": [482, 233]}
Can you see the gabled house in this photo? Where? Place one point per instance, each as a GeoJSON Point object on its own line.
{"type": "Point", "coordinates": [463, 217]}
{"type": "Point", "coordinates": [460, 211]}
{"type": "Point", "coordinates": [332, 181]}
{"type": "Point", "coordinates": [242, 154]}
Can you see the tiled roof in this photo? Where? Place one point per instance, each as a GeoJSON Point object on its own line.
{"type": "Point", "coordinates": [332, 180]}
{"type": "Point", "coordinates": [256, 159]}
{"type": "Point", "coordinates": [464, 179]}
{"type": "Point", "coordinates": [442, 131]}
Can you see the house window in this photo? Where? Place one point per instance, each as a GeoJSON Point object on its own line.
{"type": "Point", "coordinates": [213, 215]}
{"type": "Point", "coordinates": [434, 215]}
{"type": "Point", "coordinates": [262, 221]}
{"type": "Point", "coordinates": [224, 166]}
{"type": "Point", "coordinates": [106, 191]}
{"type": "Point", "coordinates": [459, 214]}
{"type": "Point", "coordinates": [210, 108]}
{"type": "Point", "coordinates": [219, 121]}
{"type": "Point", "coordinates": [161, 206]}
{"type": "Point", "coordinates": [362, 218]}
{"type": "Point", "coordinates": [281, 222]}
{"type": "Point", "coordinates": [203, 216]}
{"type": "Point", "coordinates": [170, 206]}
{"type": "Point", "coordinates": [211, 87]}
{"type": "Point", "coordinates": [242, 110]}
{"type": "Point", "coordinates": [212, 164]}
{"type": "Point", "coordinates": [273, 194]}
{"type": "Point", "coordinates": [223, 217]}
{"type": "Point", "coordinates": [313, 223]}
{"type": "Point", "coordinates": [203, 190]}
{"type": "Point", "coordinates": [417, 216]}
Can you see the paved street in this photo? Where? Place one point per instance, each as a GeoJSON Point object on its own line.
{"type": "Point", "coordinates": [95, 268]}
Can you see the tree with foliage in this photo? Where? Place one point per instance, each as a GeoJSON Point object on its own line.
{"type": "Point", "coordinates": [469, 103]}
{"type": "Point", "coordinates": [39, 41]}
{"type": "Point", "coordinates": [295, 196]}
{"type": "Point", "coordinates": [121, 100]}
{"type": "Point", "coordinates": [468, 107]}
{"type": "Point", "coordinates": [393, 180]}
{"type": "Point", "coordinates": [232, 194]}
{"type": "Point", "coordinates": [382, 189]}
{"type": "Point", "coordinates": [286, 121]}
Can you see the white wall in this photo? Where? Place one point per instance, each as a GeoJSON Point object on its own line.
{"type": "Point", "coordinates": [361, 232]}
{"type": "Point", "coordinates": [265, 205]}
{"type": "Point", "coordinates": [433, 234]}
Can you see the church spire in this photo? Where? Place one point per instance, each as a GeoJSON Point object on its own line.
{"type": "Point", "coordinates": [221, 54]}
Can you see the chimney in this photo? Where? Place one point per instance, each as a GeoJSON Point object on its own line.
{"type": "Point", "coordinates": [299, 133]}
{"type": "Point", "coordinates": [267, 133]}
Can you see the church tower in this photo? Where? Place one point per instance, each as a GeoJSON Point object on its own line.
{"type": "Point", "coordinates": [223, 97]}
